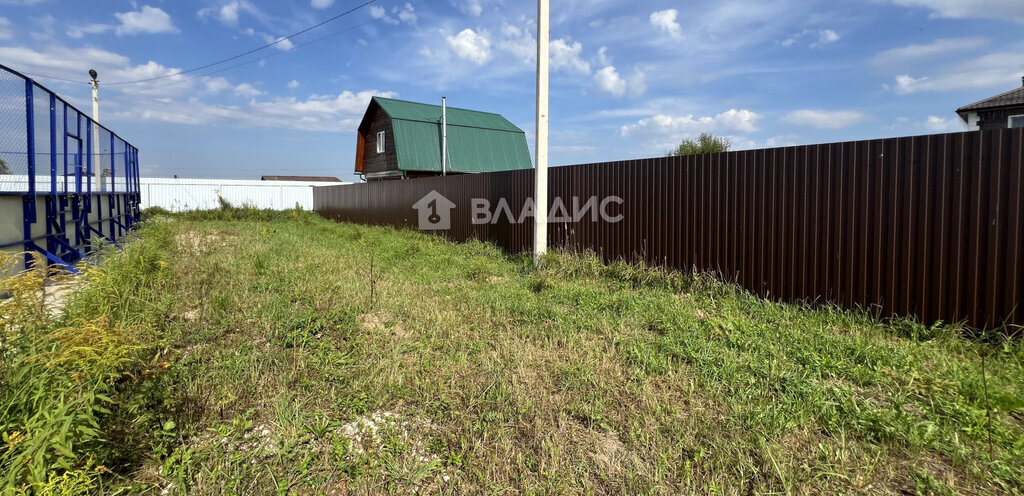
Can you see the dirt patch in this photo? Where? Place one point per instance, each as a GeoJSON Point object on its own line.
{"type": "Point", "coordinates": [197, 243]}
{"type": "Point", "coordinates": [609, 452]}
{"type": "Point", "coordinates": [382, 323]}
{"type": "Point", "coordinates": [402, 443]}
{"type": "Point", "coordinates": [372, 322]}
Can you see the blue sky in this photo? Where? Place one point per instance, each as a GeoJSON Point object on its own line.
{"type": "Point", "coordinates": [629, 79]}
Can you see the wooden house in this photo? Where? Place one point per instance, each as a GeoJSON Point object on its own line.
{"type": "Point", "coordinates": [399, 139]}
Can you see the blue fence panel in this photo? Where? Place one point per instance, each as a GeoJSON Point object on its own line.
{"type": "Point", "coordinates": [76, 179]}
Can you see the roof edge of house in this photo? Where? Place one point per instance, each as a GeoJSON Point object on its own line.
{"type": "Point", "coordinates": [966, 108]}
{"type": "Point", "coordinates": [449, 108]}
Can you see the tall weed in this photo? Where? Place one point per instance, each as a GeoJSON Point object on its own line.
{"type": "Point", "coordinates": [74, 382]}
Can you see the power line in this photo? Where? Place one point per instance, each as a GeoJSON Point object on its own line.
{"type": "Point", "coordinates": [44, 76]}
{"type": "Point", "coordinates": [228, 68]}
{"type": "Point", "coordinates": [235, 57]}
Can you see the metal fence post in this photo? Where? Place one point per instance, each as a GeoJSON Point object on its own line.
{"type": "Point", "coordinates": [29, 200]}
{"type": "Point", "coordinates": [52, 202]}
{"type": "Point", "coordinates": [112, 196]}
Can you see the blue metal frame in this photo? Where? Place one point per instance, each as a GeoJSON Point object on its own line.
{"type": "Point", "coordinates": [122, 210]}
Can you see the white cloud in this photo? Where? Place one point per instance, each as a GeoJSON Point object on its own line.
{"type": "Point", "coordinates": [321, 4]}
{"type": "Point", "coordinates": [281, 43]}
{"type": "Point", "coordinates": [215, 85]}
{"type": "Point", "coordinates": [943, 125]}
{"type": "Point", "coordinates": [826, 36]}
{"type": "Point", "coordinates": [147, 20]}
{"type": "Point", "coordinates": [566, 55]}
{"type": "Point", "coordinates": [609, 81]}
{"type": "Point", "coordinates": [93, 28]}
{"type": "Point", "coordinates": [990, 71]}
{"type": "Point", "coordinates": [602, 59]}
{"type": "Point", "coordinates": [663, 125]}
{"type": "Point", "coordinates": [406, 14]}
{"type": "Point", "coordinates": [902, 55]}
{"type": "Point", "coordinates": [471, 7]}
{"type": "Point", "coordinates": [65, 62]}
{"type": "Point", "coordinates": [229, 13]}
{"type": "Point", "coordinates": [6, 32]}
{"type": "Point", "coordinates": [148, 70]}
{"type": "Point", "coordinates": [637, 83]}
{"type": "Point", "coordinates": [824, 119]}
{"type": "Point", "coordinates": [247, 90]}
{"type": "Point", "coordinates": [906, 85]}
{"type": "Point", "coordinates": [425, 52]}
{"type": "Point", "coordinates": [318, 113]}
{"type": "Point", "coordinates": [378, 12]}
{"type": "Point", "coordinates": [821, 37]}
{"type": "Point", "coordinates": [742, 121]}
{"type": "Point", "coordinates": [62, 61]}
{"type": "Point", "coordinates": [470, 45]}
{"type": "Point", "coordinates": [665, 20]}
{"type": "Point", "coordinates": [294, 83]}
{"type": "Point", "coordinates": [1012, 10]}
{"type": "Point", "coordinates": [519, 42]}
{"type": "Point", "coordinates": [781, 141]}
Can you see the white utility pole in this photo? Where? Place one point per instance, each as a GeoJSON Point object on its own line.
{"type": "Point", "coordinates": [444, 136]}
{"type": "Point", "coordinates": [97, 167]}
{"type": "Point", "coordinates": [540, 196]}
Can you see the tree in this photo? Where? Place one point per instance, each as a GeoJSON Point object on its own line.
{"type": "Point", "coordinates": [4, 169]}
{"type": "Point", "coordinates": [706, 143]}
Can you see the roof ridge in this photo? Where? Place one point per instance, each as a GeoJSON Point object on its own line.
{"type": "Point", "coordinates": [438, 106]}
{"type": "Point", "coordinates": [979, 102]}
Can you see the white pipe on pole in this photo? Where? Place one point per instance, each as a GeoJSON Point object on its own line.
{"type": "Point", "coordinates": [444, 136]}
{"type": "Point", "coordinates": [540, 217]}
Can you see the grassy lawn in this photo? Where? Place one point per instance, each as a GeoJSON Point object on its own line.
{"type": "Point", "coordinates": [242, 352]}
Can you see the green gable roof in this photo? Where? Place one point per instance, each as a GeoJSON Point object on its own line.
{"type": "Point", "coordinates": [477, 141]}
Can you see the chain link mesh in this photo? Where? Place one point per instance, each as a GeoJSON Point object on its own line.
{"type": "Point", "coordinates": [118, 169]}
{"type": "Point", "coordinates": [13, 134]}
{"type": "Point", "coordinates": [41, 137]}
{"type": "Point", "coordinates": [101, 164]}
{"type": "Point", "coordinates": [60, 148]}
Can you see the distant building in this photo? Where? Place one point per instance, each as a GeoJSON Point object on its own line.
{"type": "Point", "coordinates": [1002, 111]}
{"type": "Point", "coordinates": [399, 139]}
{"type": "Point", "coordinates": [304, 179]}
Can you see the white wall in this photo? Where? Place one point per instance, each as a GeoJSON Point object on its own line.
{"type": "Point", "coordinates": [12, 227]}
{"type": "Point", "coordinates": [179, 195]}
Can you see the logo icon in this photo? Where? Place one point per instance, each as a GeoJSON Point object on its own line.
{"type": "Point", "coordinates": [435, 212]}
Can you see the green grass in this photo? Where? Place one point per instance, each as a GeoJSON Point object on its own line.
{"type": "Point", "coordinates": [472, 372]}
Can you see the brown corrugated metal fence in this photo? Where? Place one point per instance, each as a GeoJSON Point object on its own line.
{"type": "Point", "coordinates": [931, 226]}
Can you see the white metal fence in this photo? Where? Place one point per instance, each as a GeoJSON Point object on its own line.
{"type": "Point", "coordinates": [179, 195]}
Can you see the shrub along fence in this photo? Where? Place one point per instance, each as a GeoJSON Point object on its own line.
{"type": "Point", "coordinates": [930, 226]}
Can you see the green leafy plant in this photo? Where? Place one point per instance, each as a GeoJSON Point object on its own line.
{"type": "Point", "coordinates": [705, 143]}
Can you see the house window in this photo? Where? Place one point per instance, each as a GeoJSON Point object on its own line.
{"type": "Point", "coordinates": [1016, 121]}
{"type": "Point", "coordinates": [380, 142]}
